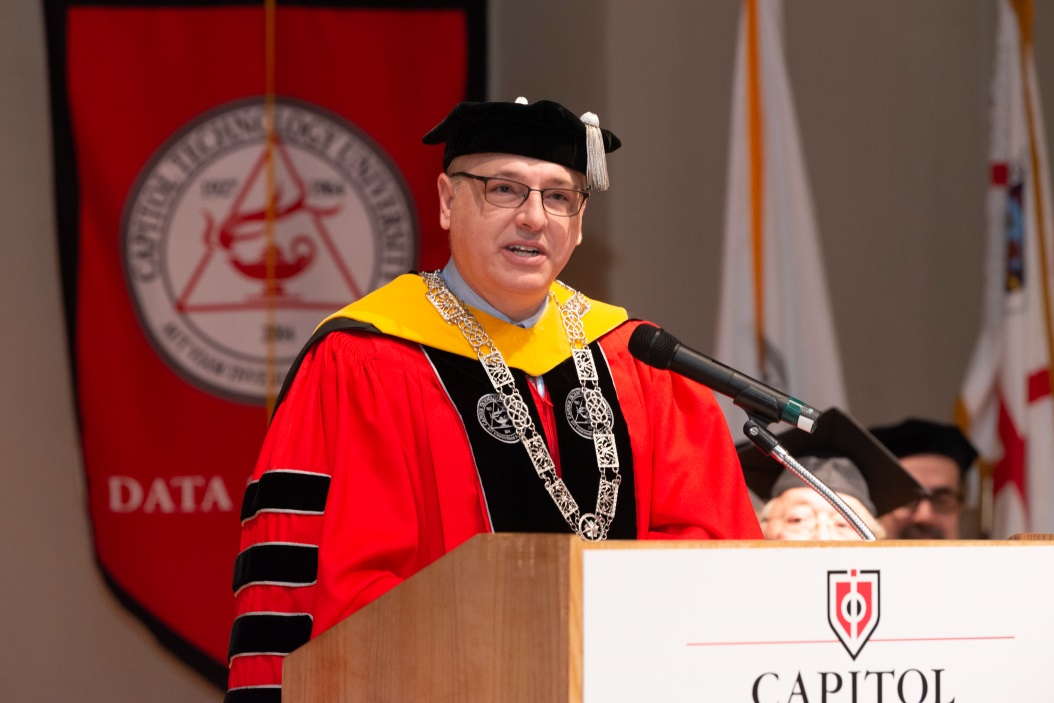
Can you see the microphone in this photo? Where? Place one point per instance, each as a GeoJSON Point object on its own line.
{"type": "Point", "coordinates": [657, 347]}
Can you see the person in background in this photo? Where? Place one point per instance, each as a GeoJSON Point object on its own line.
{"type": "Point", "coordinates": [847, 459]}
{"type": "Point", "coordinates": [483, 397]}
{"type": "Point", "coordinates": [938, 456]}
{"type": "Point", "coordinates": [795, 511]}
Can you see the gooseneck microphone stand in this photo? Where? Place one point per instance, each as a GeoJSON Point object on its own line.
{"type": "Point", "coordinates": [764, 440]}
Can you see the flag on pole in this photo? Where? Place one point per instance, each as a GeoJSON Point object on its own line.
{"type": "Point", "coordinates": [774, 319]}
{"type": "Point", "coordinates": [227, 174]}
{"type": "Point", "coordinates": [1006, 404]}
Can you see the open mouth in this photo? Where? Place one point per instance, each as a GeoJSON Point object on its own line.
{"type": "Point", "coordinates": [520, 250]}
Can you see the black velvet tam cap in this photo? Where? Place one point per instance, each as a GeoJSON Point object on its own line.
{"type": "Point", "coordinates": [543, 130]}
{"type": "Point", "coordinates": [836, 435]}
{"type": "Point", "coordinates": [914, 436]}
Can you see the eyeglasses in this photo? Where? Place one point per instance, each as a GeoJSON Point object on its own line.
{"type": "Point", "coordinates": [562, 202]}
{"type": "Point", "coordinates": [943, 500]}
{"type": "Point", "coordinates": [803, 522]}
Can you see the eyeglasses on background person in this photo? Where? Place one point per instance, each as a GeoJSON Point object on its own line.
{"type": "Point", "coordinates": [942, 500]}
{"type": "Point", "coordinates": [808, 522]}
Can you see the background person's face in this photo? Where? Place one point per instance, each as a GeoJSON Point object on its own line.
{"type": "Point", "coordinates": [803, 514]}
{"type": "Point", "coordinates": [935, 472]}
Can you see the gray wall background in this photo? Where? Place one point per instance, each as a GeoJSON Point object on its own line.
{"type": "Point", "coordinates": [892, 100]}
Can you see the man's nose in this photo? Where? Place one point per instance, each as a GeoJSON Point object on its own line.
{"type": "Point", "coordinates": [923, 512]}
{"type": "Point", "coordinates": [824, 530]}
{"type": "Point", "coordinates": [531, 214]}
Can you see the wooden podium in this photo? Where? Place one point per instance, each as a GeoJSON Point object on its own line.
{"type": "Point", "coordinates": [494, 620]}
{"type": "Point", "coordinates": [550, 618]}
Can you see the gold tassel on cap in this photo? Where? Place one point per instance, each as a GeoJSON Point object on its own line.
{"type": "Point", "coordinates": [596, 162]}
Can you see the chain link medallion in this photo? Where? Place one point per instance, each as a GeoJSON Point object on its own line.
{"type": "Point", "coordinates": [589, 526]}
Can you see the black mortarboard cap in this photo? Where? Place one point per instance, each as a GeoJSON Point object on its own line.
{"type": "Point", "coordinates": [836, 435]}
{"type": "Point", "coordinates": [915, 436]}
{"type": "Point", "coordinates": [543, 130]}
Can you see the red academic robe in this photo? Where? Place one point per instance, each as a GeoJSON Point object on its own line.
{"type": "Point", "coordinates": [367, 474]}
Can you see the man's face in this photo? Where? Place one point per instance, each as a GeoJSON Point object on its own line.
{"type": "Point", "coordinates": [508, 256]}
{"type": "Point", "coordinates": [930, 519]}
{"type": "Point", "coordinates": [803, 514]}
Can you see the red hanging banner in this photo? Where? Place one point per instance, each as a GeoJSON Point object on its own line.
{"type": "Point", "coordinates": [197, 261]}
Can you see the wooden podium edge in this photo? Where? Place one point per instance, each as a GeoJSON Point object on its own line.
{"type": "Point", "coordinates": [574, 619]}
{"type": "Point", "coordinates": [489, 621]}
{"type": "Point", "coordinates": [1032, 537]}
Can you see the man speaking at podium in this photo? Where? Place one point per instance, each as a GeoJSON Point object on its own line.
{"type": "Point", "coordinates": [484, 397]}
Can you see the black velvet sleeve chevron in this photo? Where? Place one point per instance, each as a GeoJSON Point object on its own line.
{"type": "Point", "coordinates": [269, 633]}
{"type": "Point", "coordinates": [286, 492]}
{"type": "Point", "coordinates": [285, 564]}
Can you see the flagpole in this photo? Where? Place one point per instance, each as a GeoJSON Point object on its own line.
{"type": "Point", "coordinates": [756, 120]}
{"type": "Point", "coordinates": [271, 252]}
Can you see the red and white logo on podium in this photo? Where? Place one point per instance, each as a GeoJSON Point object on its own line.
{"type": "Point", "coordinates": [853, 607]}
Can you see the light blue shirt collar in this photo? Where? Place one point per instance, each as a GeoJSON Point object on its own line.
{"type": "Point", "coordinates": [458, 286]}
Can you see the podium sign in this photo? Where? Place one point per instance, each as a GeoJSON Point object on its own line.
{"type": "Point", "coordinates": [935, 622]}
{"type": "Point", "coordinates": [551, 619]}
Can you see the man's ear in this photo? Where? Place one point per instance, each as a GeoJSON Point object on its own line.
{"type": "Point", "coordinates": [446, 196]}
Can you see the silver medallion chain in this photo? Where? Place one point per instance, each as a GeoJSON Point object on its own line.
{"type": "Point", "coordinates": [591, 526]}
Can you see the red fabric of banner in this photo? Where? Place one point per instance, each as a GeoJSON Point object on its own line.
{"type": "Point", "coordinates": [167, 455]}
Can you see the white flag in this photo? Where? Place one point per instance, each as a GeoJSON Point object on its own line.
{"type": "Point", "coordinates": [774, 320]}
{"type": "Point", "coordinates": [1006, 397]}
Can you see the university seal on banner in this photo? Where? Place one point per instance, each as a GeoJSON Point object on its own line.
{"type": "Point", "coordinates": [220, 278]}
{"type": "Point", "coordinates": [853, 607]}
